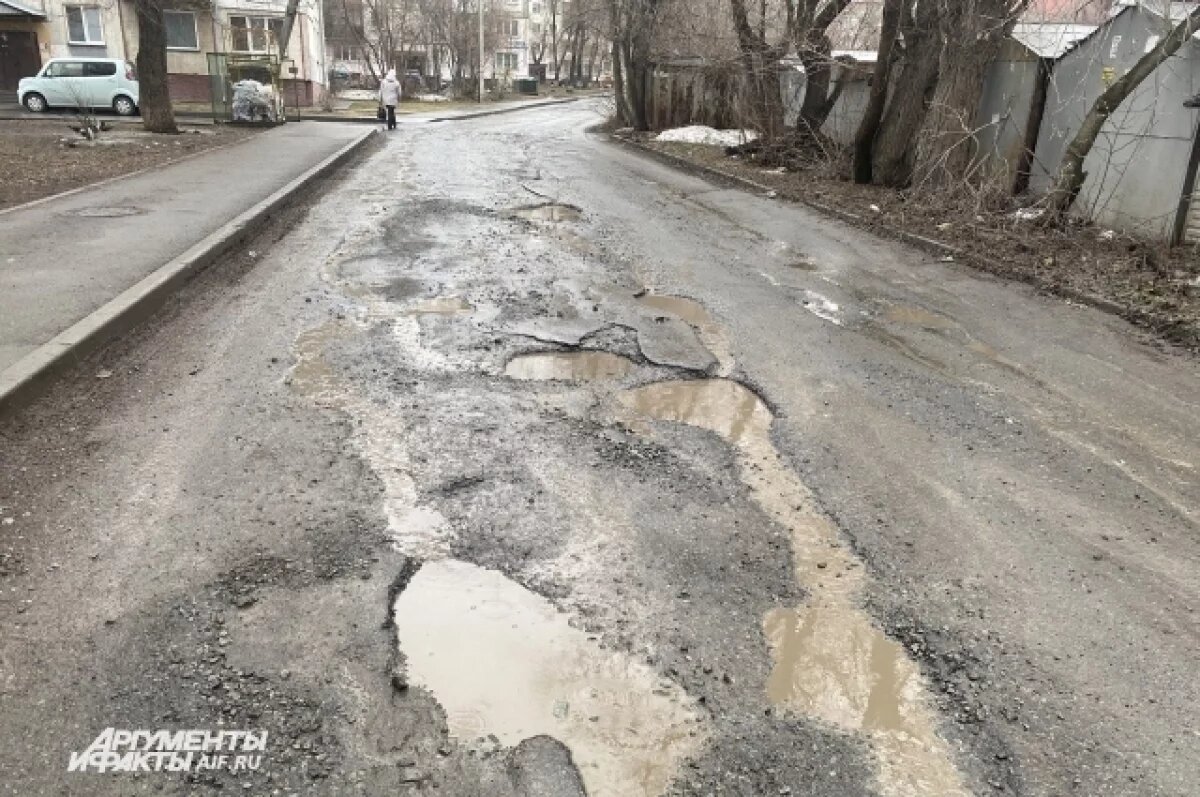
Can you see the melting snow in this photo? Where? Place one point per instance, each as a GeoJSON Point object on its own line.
{"type": "Point", "coordinates": [700, 134]}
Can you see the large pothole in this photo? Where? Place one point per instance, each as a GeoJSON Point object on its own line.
{"type": "Point", "coordinates": [503, 661]}
{"type": "Point", "coordinates": [574, 366]}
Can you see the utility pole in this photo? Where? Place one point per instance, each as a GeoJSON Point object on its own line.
{"type": "Point", "coordinates": [480, 50]}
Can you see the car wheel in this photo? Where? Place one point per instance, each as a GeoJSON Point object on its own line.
{"type": "Point", "coordinates": [35, 103]}
{"type": "Point", "coordinates": [124, 106]}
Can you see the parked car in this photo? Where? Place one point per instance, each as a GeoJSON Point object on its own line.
{"type": "Point", "coordinates": [82, 83]}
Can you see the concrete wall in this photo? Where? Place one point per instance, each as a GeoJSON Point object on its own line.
{"type": "Point", "coordinates": [1136, 169]}
{"type": "Point", "coordinates": [1005, 108]}
{"type": "Point", "coordinates": [846, 116]}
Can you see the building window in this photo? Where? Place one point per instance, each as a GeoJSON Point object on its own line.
{"type": "Point", "coordinates": [506, 62]}
{"type": "Point", "coordinates": [535, 28]}
{"type": "Point", "coordinates": [181, 30]}
{"type": "Point", "coordinates": [535, 8]}
{"type": "Point", "coordinates": [83, 25]}
{"type": "Point", "coordinates": [255, 34]}
{"type": "Point", "coordinates": [513, 28]}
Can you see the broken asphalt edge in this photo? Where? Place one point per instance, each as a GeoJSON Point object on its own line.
{"type": "Point", "coordinates": [922, 242]}
{"type": "Point", "coordinates": [22, 381]}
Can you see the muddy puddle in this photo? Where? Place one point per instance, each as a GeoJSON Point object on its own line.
{"type": "Point", "coordinates": [918, 317]}
{"type": "Point", "coordinates": [687, 309]}
{"type": "Point", "coordinates": [440, 305]}
{"type": "Point", "coordinates": [718, 405]}
{"type": "Point", "coordinates": [829, 659]}
{"type": "Point", "coordinates": [550, 212]}
{"type": "Point", "coordinates": [501, 660]}
{"type": "Point", "coordinates": [711, 334]}
{"type": "Point", "coordinates": [576, 366]}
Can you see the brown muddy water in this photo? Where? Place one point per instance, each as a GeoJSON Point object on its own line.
{"type": "Point", "coordinates": [831, 661]}
{"type": "Point", "coordinates": [918, 317]}
{"type": "Point", "coordinates": [689, 310]}
{"type": "Point", "coordinates": [575, 366]}
{"type": "Point", "coordinates": [502, 660]}
{"type": "Point", "coordinates": [551, 212]}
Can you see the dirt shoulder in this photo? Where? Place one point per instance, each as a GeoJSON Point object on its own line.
{"type": "Point", "coordinates": [1153, 286]}
{"type": "Point", "coordinates": [37, 163]}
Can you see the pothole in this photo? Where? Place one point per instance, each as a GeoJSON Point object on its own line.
{"type": "Point", "coordinates": [441, 305]}
{"type": "Point", "coordinates": [916, 316]}
{"type": "Point", "coordinates": [830, 660]}
{"type": "Point", "coordinates": [803, 265]}
{"type": "Point", "coordinates": [718, 405]}
{"type": "Point", "coordinates": [812, 647]}
{"type": "Point", "coordinates": [552, 212]}
{"type": "Point", "coordinates": [688, 309]}
{"type": "Point", "coordinates": [502, 660]}
{"type": "Point", "coordinates": [107, 212]}
{"type": "Point", "coordinates": [576, 366]}
{"type": "Point", "coordinates": [697, 315]}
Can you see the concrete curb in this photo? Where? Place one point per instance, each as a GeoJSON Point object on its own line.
{"type": "Point", "coordinates": [21, 380]}
{"type": "Point", "coordinates": [929, 245]}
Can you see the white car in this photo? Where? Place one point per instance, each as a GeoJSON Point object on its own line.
{"type": "Point", "coordinates": [82, 83]}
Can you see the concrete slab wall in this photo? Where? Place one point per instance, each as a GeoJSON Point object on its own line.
{"type": "Point", "coordinates": [1136, 169]}
{"type": "Point", "coordinates": [1005, 108]}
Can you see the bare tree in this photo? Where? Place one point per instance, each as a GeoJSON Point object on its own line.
{"type": "Point", "coordinates": [920, 53]}
{"type": "Point", "coordinates": [633, 25]}
{"type": "Point", "coordinates": [971, 32]}
{"type": "Point", "coordinates": [1071, 175]}
{"type": "Point", "coordinates": [154, 96]}
{"type": "Point", "coordinates": [868, 129]}
{"type": "Point", "coordinates": [760, 58]}
{"type": "Point", "coordinates": [813, 19]}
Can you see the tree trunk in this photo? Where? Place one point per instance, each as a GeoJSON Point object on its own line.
{"type": "Point", "coordinates": [154, 98]}
{"type": "Point", "coordinates": [906, 112]}
{"type": "Point", "coordinates": [868, 128]}
{"type": "Point", "coordinates": [760, 63]}
{"type": "Point", "coordinates": [624, 113]}
{"type": "Point", "coordinates": [972, 33]}
{"type": "Point", "coordinates": [813, 45]}
{"type": "Point", "coordinates": [1071, 175]}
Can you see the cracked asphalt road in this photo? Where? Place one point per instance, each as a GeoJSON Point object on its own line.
{"type": "Point", "coordinates": [778, 507]}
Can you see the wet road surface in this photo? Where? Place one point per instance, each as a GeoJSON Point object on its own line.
{"type": "Point", "coordinates": [517, 463]}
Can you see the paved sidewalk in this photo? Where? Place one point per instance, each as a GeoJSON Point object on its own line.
{"type": "Point", "coordinates": [63, 258]}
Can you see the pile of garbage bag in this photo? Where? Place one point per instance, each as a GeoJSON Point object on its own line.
{"type": "Point", "coordinates": [254, 102]}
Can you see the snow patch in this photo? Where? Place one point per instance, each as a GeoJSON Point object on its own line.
{"type": "Point", "coordinates": [710, 136]}
{"type": "Point", "coordinates": [822, 307]}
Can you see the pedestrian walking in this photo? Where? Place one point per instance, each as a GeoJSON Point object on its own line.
{"type": "Point", "coordinates": [389, 97]}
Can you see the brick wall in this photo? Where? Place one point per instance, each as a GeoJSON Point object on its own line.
{"type": "Point", "coordinates": [189, 88]}
{"type": "Point", "coordinates": [196, 88]}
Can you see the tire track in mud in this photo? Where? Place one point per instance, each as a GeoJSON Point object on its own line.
{"type": "Point", "coordinates": [832, 662]}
